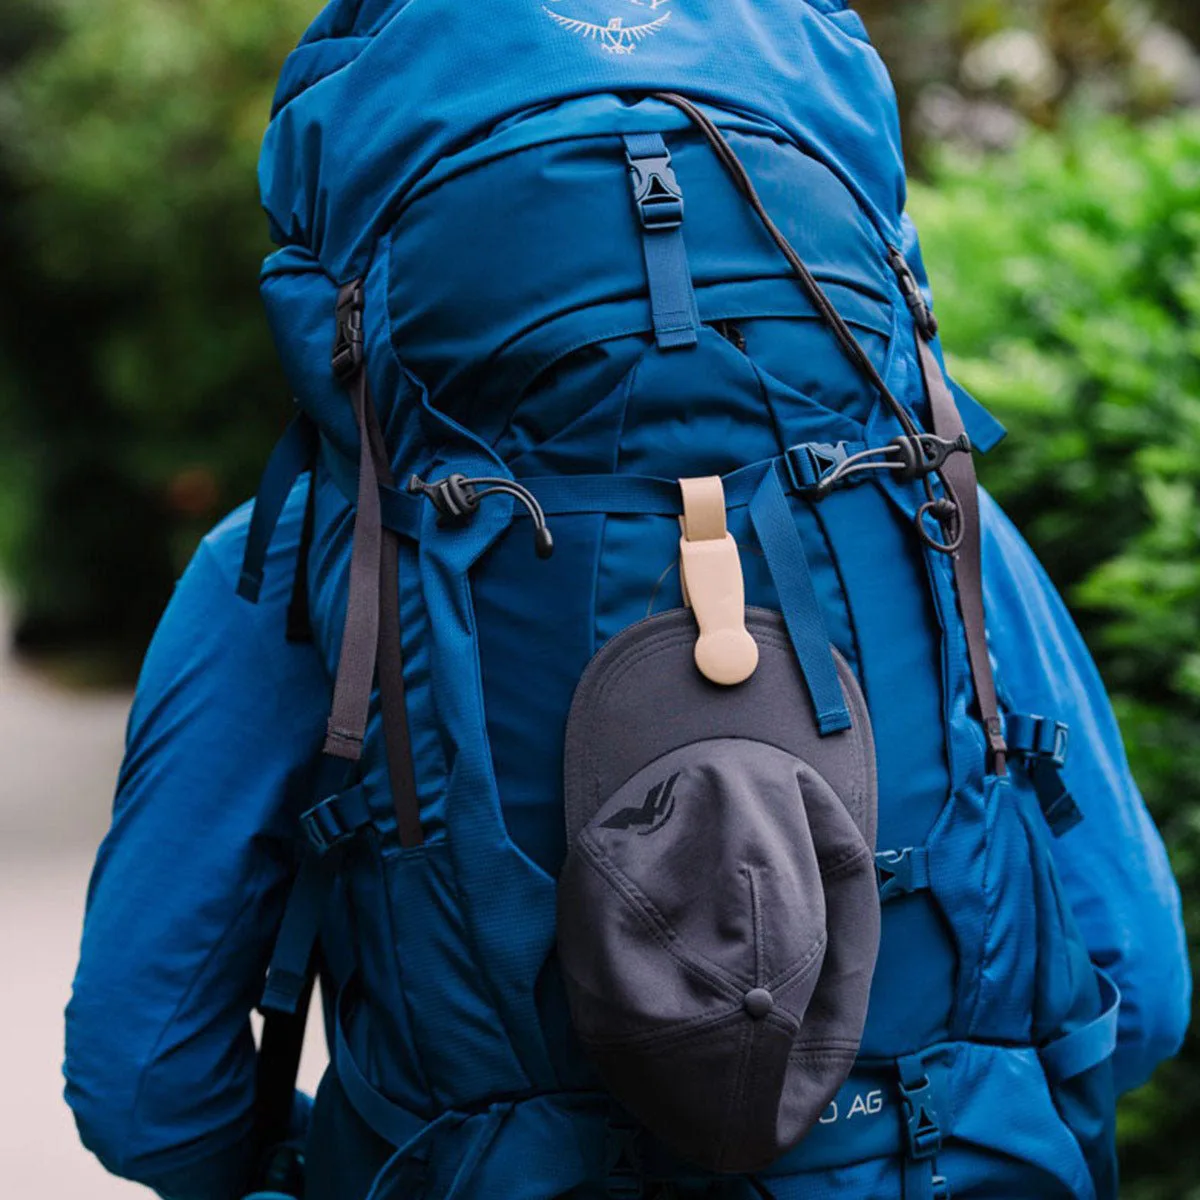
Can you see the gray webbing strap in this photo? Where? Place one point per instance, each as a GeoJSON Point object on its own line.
{"type": "Point", "coordinates": [371, 633]}
{"type": "Point", "coordinates": [959, 471]}
{"type": "Point", "coordinates": [393, 702]}
{"type": "Point", "coordinates": [348, 715]}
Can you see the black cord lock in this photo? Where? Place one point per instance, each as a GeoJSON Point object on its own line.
{"type": "Point", "coordinates": [922, 454]}
{"type": "Point", "coordinates": [456, 499]}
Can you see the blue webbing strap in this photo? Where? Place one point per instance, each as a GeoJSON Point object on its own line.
{"type": "Point", "coordinates": [292, 456]}
{"type": "Point", "coordinates": [779, 538]}
{"type": "Point", "coordinates": [1090, 1044]}
{"type": "Point", "coordinates": [570, 495]}
{"type": "Point", "coordinates": [659, 200]}
{"type": "Point", "coordinates": [383, 1117]}
{"type": "Point", "coordinates": [289, 973]}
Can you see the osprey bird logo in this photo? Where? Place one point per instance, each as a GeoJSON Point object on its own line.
{"type": "Point", "coordinates": [653, 812]}
{"type": "Point", "coordinates": [614, 35]}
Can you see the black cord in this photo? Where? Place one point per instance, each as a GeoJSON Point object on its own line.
{"type": "Point", "coordinates": [946, 506]}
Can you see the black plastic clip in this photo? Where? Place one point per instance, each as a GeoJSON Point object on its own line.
{"type": "Point", "coordinates": [922, 314]}
{"type": "Point", "coordinates": [921, 454]}
{"type": "Point", "coordinates": [347, 358]}
{"type": "Point", "coordinates": [656, 192]}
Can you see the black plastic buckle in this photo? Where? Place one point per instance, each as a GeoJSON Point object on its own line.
{"type": "Point", "coordinates": [809, 463]}
{"type": "Point", "coordinates": [923, 316]}
{"type": "Point", "coordinates": [921, 1119]}
{"type": "Point", "coordinates": [347, 358]}
{"type": "Point", "coordinates": [323, 827]}
{"type": "Point", "coordinates": [656, 192]}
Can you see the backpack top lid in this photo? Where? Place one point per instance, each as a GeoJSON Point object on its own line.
{"type": "Point", "coordinates": [379, 93]}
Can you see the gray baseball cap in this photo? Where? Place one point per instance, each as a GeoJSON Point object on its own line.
{"type": "Point", "coordinates": [718, 914]}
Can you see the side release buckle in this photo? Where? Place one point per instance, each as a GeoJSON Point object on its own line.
{"type": "Point", "coordinates": [656, 192]}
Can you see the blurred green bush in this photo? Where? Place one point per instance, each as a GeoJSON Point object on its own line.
{"type": "Point", "coordinates": [1067, 277]}
{"type": "Point", "coordinates": [138, 387]}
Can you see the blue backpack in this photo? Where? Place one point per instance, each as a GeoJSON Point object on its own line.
{"type": "Point", "coordinates": [540, 262]}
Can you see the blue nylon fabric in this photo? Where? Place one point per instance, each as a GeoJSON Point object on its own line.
{"type": "Point", "coordinates": [341, 155]}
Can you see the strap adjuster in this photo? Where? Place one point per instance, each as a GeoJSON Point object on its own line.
{"type": "Point", "coordinates": [900, 872]}
{"type": "Point", "coordinates": [1034, 736]}
{"type": "Point", "coordinates": [335, 820]}
{"type": "Point", "coordinates": [347, 357]}
{"type": "Point", "coordinates": [922, 1126]}
{"type": "Point", "coordinates": [656, 192]}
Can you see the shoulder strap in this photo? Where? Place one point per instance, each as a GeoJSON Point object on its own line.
{"type": "Point", "coordinates": [959, 472]}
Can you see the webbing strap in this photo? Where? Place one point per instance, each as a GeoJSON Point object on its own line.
{"type": "Point", "coordinates": [383, 1117]}
{"type": "Point", "coordinates": [289, 975]}
{"type": "Point", "coordinates": [299, 613]}
{"type": "Point", "coordinates": [573, 495]}
{"type": "Point", "coordinates": [352, 688]}
{"type": "Point", "coordinates": [779, 538]}
{"type": "Point", "coordinates": [401, 771]}
{"type": "Point", "coordinates": [1090, 1044]}
{"type": "Point", "coordinates": [292, 456]}
{"type": "Point", "coordinates": [959, 472]}
{"type": "Point", "coordinates": [659, 201]}
{"type": "Point", "coordinates": [371, 633]}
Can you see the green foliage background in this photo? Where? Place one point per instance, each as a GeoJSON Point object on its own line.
{"type": "Point", "coordinates": [137, 385]}
{"type": "Point", "coordinates": [138, 391]}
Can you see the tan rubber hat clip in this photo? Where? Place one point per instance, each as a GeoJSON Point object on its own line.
{"type": "Point", "coordinates": [713, 588]}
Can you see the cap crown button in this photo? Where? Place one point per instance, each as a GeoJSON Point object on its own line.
{"type": "Point", "coordinates": [758, 1002]}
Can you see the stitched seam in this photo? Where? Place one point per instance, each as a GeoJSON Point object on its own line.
{"type": "Point", "coordinates": [649, 916]}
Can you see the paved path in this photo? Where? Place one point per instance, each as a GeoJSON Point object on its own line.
{"type": "Point", "coordinates": [59, 754]}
